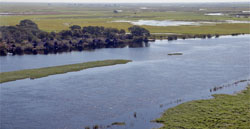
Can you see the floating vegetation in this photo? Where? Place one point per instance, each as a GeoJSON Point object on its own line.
{"type": "Point", "coordinates": [104, 127]}
{"type": "Point", "coordinates": [227, 85]}
{"type": "Point", "coordinates": [172, 102]}
{"type": "Point", "coordinates": [118, 123]}
{"type": "Point", "coordinates": [135, 115]}
{"type": "Point", "coordinates": [96, 127]}
{"type": "Point", "coordinates": [173, 54]}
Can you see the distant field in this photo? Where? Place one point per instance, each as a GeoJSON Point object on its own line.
{"type": "Point", "coordinates": [57, 17]}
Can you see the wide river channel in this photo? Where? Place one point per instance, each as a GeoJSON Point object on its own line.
{"type": "Point", "coordinates": [152, 83]}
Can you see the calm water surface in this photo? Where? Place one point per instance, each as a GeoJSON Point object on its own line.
{"type": "Point", "coordinates": [160, 23]}
{"type": "Point", "coordinates": [179, 23]}
{"type": "Point", "coordinates": [149, 85]}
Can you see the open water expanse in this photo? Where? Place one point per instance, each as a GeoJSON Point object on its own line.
{"type": "Point", "coordinates": [152, 83]}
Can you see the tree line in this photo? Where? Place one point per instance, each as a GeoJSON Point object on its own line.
{"type": "Point", "coordinates": [27, 38]}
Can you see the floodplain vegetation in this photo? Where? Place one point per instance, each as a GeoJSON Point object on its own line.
{"type": "Point", "coordinates": [52, 17]}
{"type": "Point", "coordinates": [47, 71]}
{"type": "Point", "coordinates": [221, 112]}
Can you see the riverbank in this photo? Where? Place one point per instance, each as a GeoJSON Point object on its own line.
{"type": "Point", "coordinates": [223, 111]}
{"type": "Point", "coordinates": [32, 40]}
{"type": "Point", "coordinates": [169, 36]}
{"type": "Point", "coordinates": [44, 72]}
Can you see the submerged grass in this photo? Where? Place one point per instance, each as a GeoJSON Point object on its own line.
{"type": "Point", "coordinates": [221, 112]}
{"type": "Point", "coordinates": [43, 72]}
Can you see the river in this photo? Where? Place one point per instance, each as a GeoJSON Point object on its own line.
{"type": "Point", "coordinates": [152, 83]}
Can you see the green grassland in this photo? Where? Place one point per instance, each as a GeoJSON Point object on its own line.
{"type": "Point", "coordinates": [221, 112]}
{"type": "Point", "coordinates": [222, 29]}
{"type": "Point", "coordinates": [57, 17]}
{"type": "Point", "coordinates": [43, 72]}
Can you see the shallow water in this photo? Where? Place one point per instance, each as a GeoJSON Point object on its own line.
{"type": "Point", "coordinates": [150, 84]}
{"type": "Point", "coordinates": [160, 23]}
{"type": "Point", "coordinates": [233, 21]}
{"type": "Point", "coordinates": [177, 23]}
{"type": "Point", "coordinates": [214, 14]}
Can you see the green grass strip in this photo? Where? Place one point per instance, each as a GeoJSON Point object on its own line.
{"type": "Point", "coordinates": [221, 112]}
{"type": "Point", "coordinates": [44, 72]}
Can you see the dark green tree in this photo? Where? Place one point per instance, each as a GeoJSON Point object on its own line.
{"type": "Point", "coordinates": [75, 27]}
{"type": "Point", "coordinates": [28, 24]}
{"type": "Point", "coordinates": [138, 31]}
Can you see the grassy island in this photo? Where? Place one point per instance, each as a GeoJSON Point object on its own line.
{"type": "Point", "coordinates": [221, 112]}
{"type": "Point", "coordinates": [43, 72]}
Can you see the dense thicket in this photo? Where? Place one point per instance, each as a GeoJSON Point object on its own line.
{"type": "Point", "coordinates": [27, 38]}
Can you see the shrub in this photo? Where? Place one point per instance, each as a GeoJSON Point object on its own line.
{"type": "Point", "coordinates": [3, 49]}
{"type": "Point", "coordinates": [138, 31]}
